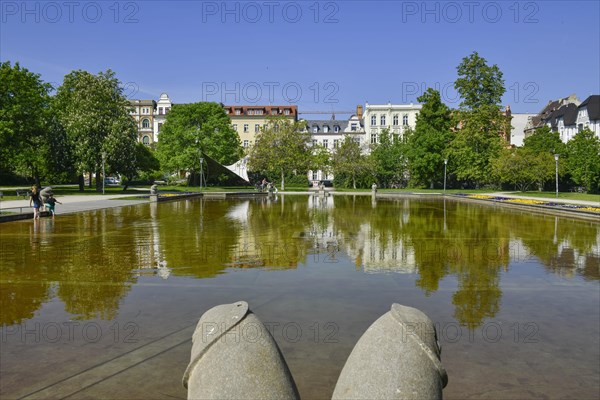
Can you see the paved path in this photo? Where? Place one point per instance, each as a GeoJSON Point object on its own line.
{"type": "Point", "coordinates": [78, 203]}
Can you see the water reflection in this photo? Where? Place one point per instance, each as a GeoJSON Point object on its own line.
{"type": "Point", "coordinates": [91, 260]}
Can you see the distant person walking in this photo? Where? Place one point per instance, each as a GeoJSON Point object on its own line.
{"type": "Point", "coordinates": [34, 197]}
{"type": "Point", "coordinates": [51, 203]}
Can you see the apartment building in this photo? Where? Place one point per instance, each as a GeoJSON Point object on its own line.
{"type": "Point", "coordinates": [247, 121]}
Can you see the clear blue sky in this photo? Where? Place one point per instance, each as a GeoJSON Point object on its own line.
{"type": "Point", "coordinates": [327, 55]}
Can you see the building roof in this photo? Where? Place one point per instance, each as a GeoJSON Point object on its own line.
{"type": "Point", "coordinates": [593, 106]}
{"type": "Point", "coordinates": [568, 113]}
{"type": "Point", "coordinates": [331, 123]}
{"type": "Point", "coordinates": [265, 111]}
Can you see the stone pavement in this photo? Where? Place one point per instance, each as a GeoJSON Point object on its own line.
{"type": "Point", "coordinates": [76, 203]}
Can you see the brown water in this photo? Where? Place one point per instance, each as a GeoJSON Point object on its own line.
{"type": "Point", "coordinates": [103, 304]}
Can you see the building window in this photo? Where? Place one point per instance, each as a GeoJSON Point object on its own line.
{"type": "Point", "coordinates": [326, 143]}
{"type": "Point", "coordinates": [235, 127]}
{"type": "Point", "coordinates": [314, 142]}
{"type": "Point", "coordinates": [159, 126]}
{"type": "Point", "coordinates": [335, 143]}
{"type": "Point", "coordinates": [395, 120]}
{"type": "Point", "coordinates": [257, 128]}
{"type": "Point", "coordinates": [405, 120]}
{"type": "Point", "coordinates": [146, 139]}
{"type": "Point", "coordinates": [167, 109]}
{"type": "Point", "coordinates": [326, 129]}
{"type": "Point", "coordinates": [315, 176]}
{"type": "Point", "coordinates": [374, 120]}
{"type": "Point", "coordinates": [160, 111]}
{"type": "Point", "coordinates": [356, 140]}
{"type": "Point", "coordinates": [245, 143]}
{"type": "Point", "coordinates": [353, 127]}
{"type": "Point", "coordinates": [286, 111]}
{"type": "Point", "coordinates": [383, 120]}
{"type": "Point", "coordinates": [145, 123]}
{"type": "Point", "coordinates": [315, 129]}
{"type": "Point", "coordinates": [336, 129]}
{"type": "Point", "coordinates": [373, 138]}
{"type": "Point", "coordinates": [274, 112]}
{"type": "Point", "coordinates": [238, 111]}
{"type": "Point", "coordinates": [245, 128]}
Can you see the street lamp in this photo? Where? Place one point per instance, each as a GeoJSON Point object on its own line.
{"type": "Point", "coordinates": [445, 165]}
{"type": "Point", "coordinates": [556, 159]}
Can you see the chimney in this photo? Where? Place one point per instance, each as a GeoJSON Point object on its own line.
{"type": "Point", "coordinates": [359, 111]}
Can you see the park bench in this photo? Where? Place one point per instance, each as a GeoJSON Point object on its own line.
{"type": "Point", "coordinates": [22, 192]}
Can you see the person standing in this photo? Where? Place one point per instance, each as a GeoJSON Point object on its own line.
{"type": "Point", "coordinates": [34, 197]}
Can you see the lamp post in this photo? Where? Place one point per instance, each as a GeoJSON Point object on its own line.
{"type": "Point", "coordinates": [556, 159]}
{"type": "Point", "coordinates": [445, 165]}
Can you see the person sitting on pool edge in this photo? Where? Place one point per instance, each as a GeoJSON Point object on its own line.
{"type": "Point", "coordinates": [50, 203]}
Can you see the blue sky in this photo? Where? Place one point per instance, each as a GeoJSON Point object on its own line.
{"type": "Point", "coordinates": [322, 56]}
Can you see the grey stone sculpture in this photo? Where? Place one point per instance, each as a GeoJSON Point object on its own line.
{"type": "Point", "coordinates": [45, 193]}
{"type": "Point", "coordinates": [398, 357]}
{"type": "Point", "coordinates": [235, 357]}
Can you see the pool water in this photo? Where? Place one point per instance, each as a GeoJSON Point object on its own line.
{"type": "Point", "coordinates": [103, 304]}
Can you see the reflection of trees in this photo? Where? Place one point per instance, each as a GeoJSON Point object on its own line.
{"type": "Point", "coordinates": [196, 237]}
{"type": "Point", "coordinates": [97, 270]}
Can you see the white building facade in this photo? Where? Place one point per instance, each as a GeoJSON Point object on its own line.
{"type": "Point", "coordinates": [396, 118]}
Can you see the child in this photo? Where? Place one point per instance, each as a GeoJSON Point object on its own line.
{"type": "Point", "coordinates": [34, 197]}
{"type": "Point", "coordinates": [50, 203]}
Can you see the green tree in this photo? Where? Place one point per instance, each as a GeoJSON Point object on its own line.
{"type": "Point", "coordinates": [94, 113]}
{"type": "Point", "coordinates": [583, 160]}
{"type": "Point", "coordinates": [522, 168]}
{"type": "Point", "coordinates": [194, 129]}
{"type": "Point", "coordinates": [476, 144]}
{"type": "Point", "coordinates": [388, 159]}
{"type": "Point", "coordinates": [427, 145]}
{"type": "Point", "coordinates": [321, 159]}
{"type": "Point", "coordinates": [145, 161]}
{"type": "Point", "coordinates": [543, 140]}
{"type": "Point", "coordinates": [348, 160]}
{"type": "Point", "coordinates": [478, 83]}
{"type": "Point", "coordinates": [282, 147]}
{"type": "Point", "coordinates": [24, 128]}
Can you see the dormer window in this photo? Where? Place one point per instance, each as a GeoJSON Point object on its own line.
{"type": "Point", "coordinates": [353, 127]}
{"type": "Point", "coordinates": [326, 129]}
{"type": "Point", "coordinates": [336, 129]}
{"type": "Point", "coordinates": [286, 111]}
{"type": "Point", "coordinates": [315, 129]}
{"type": "Point", "coordinates": [274, 111]}
{"type": "Point", "coordinates": [238, 111]}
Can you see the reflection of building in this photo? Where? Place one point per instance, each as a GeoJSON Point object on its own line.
{"type": "Point", "coordinates": [247, 121]}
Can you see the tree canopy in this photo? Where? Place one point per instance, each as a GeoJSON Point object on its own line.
{"type": "Point", "coordinates": [478, 83]}
{"type": "Point", "coordinates": [281, 147]}
{"type": "Point", "coordinates": [94, 113]}
{"type": "Point", "coordinates": [195, 128]}
{"type": "Point", "coordinates": [428, 143]}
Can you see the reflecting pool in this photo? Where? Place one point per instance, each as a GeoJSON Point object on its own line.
{"type": "Point", "coordinates": [103, 304]}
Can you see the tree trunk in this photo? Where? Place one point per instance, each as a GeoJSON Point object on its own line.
{"type": "Point", "coordinates": [99, 181]}
{"type": "Point", "coordinates": [282, 181]}
{"type": "Point", "coordinates": [353, 181]}
{"type": "Point", "coordinates": [81, 182]}
{"type": "Point", "coordinates": [431, 184]}
{"type": "Point", "coordinates": [90, 181]}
